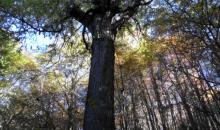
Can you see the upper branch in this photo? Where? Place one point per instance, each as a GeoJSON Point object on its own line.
{"type": "Point", "coordinates": [128, 12]}
{"type": "Point", "coordinates": [79, 15]}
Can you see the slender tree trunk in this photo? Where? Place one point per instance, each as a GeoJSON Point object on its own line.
{"type": "Point", "coordinates": [157, 97]}
{"type": "Point", "coordinates": [133, 107]}
{"type": "Point", "coordinates": [99, 113]}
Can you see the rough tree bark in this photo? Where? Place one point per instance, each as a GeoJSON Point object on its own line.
{"type": "Point", "coordinates": [99, 113]}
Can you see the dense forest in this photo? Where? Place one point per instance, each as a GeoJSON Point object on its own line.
{"type": "Point", "coordinates": [110, 65]}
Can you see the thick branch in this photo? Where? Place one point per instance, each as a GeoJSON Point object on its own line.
{"type": "Point", "coordinates": [129, 12]}
{"type": "Point", "coordinates": [79, 15]}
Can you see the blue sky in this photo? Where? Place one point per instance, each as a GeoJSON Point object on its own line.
{"type": "Point", "coordinates": [36, 43]}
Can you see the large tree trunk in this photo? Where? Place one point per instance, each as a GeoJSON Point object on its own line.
{"type": "Point", "coordinates": [99, 113]}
